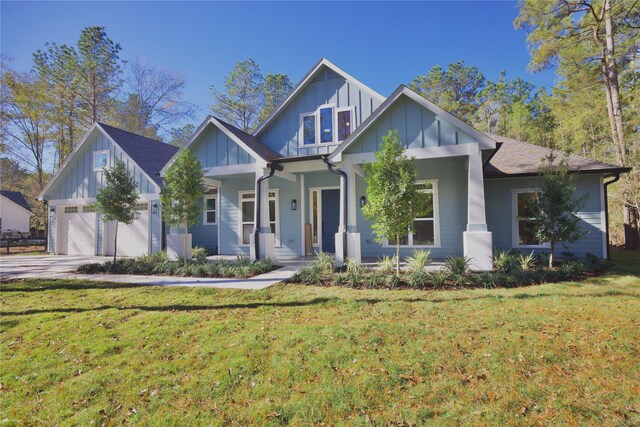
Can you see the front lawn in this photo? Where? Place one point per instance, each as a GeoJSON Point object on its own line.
{"type": "Point", "coordinates": [81, 353]}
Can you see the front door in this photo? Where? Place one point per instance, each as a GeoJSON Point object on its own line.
{"type": "Point", "coordinates": [330, 219]}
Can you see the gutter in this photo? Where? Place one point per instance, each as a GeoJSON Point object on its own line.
{"type": "Point", "coordinates": [256, 231]}
{"type": "Point", "coordinates": [345, 199]}
{"type": "Point", "coordinates": [606, 211]}
{"type": "Point", "coordinates": [493, 153]}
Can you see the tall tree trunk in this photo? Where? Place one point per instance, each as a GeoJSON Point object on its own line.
{"type": "Point", "coordinates": [115, 243]}
{"type": "Point", "coordinates": [184, 244]}
{"type": "Point", "coordinates": [551, 251]}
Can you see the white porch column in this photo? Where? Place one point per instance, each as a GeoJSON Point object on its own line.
{"type": "Point", "coordinates": [353, 237]}
{"type": "Point", "coordinates": [266, 239]}
{"type": "Point", "coordinates": [477, 241]}
{"type": "Point", "coordinates": [342, 227]}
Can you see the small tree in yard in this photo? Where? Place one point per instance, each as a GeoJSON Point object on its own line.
{"type": "Point", "coordinates": [557, 204]}
{"type": "Point", "coordinates": [116, 201]}
{"type": "Point", "coordinates": [182, 193]}
{"type": "Point", "coordinates": [393, 201]}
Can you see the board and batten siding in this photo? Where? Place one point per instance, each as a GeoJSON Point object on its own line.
{"type": "Point", "coordinates": [499, 195]}
{"type": "Point", "coordinates": [214, 148]}
{"type": "Point", "coordinates": [417, 127]}
{"type": "Point", "coordinates": [80, 181]}
{"type": "Point", "coordinates": [205, 235]}
{"type": "Point", "coordinates": [327, 87]}
{"type": "Point", "coordinates": [451, 175]}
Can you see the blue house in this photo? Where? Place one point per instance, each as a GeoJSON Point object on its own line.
{"type": "Point", "coordinates": [295, 185]}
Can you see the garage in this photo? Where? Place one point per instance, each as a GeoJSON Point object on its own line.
{"type": "Point", "coordinates": [77, 230]}
{"type": "Point", "coordinates": [133, 239]}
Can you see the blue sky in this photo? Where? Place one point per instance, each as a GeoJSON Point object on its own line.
{"type": "Point", "coordinates": [383, 44]}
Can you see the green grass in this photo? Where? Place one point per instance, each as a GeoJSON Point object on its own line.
{"type": "Point", "coordinates": [560, 354]}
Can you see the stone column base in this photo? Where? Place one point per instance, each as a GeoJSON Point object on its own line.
{"type": "Point", "coordinates": [267, 242]}
{"type": "Point", "coordinates": [175, 246]}
{"type": "Point", "coordinates": [478, 246]}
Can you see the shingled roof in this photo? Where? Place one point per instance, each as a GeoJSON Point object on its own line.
{"type": "Point", "coordinates": [519, 158]}
{"type": "Point", "coordinates": [252, 142]}
{"type": "Point", "coordinates": [17, 198]}
{"type": "Point", "coordinates": [151, 155]}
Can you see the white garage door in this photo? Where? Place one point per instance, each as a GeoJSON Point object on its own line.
{"type": "Point", "coordinates": [133, 239]}
{"type": "Point", "coordinates": [77, 230]}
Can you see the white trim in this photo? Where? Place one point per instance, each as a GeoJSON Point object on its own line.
{"type": "Point", "coordinates": [302, 215]}
{"type": "Point", "coordinates": [301, 143]}
{"type": "Point", "coordinates": [603, 220]}
{"type": "Point", "coordinates": [515, 231]}
{"type": "Point", "coordinates": [303, 83]}
{"type": "Point", "coordinates": [318, 130]}
{"type": "Point", "coordinates": [89, 200]}
{"type": "Point", "coordinates": [417, 153]}
{"type": "Point", "coordinates": [212, 120]}
{"type": "Point", "coordinates": [276, 198]}
{"type": "Point", "coordinates": [436, 220]}
{"type": "Point", "coordinates": [206, 197]}
{"type": "Point", "coordinates": [107, 164]}
{"type": "Point", "coordinates": [483, 140]}
{"type": "Point", "coordinates": [232, 170]}
{"type": "Point", "coordinates": [313, 219]}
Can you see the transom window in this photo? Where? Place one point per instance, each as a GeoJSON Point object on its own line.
{"type": "Point", "coordinates": [70, 209]}
{"type": "Point", "coordinates": [100, 160]}
{"type": "Point", "coordinates": [326, 125]}
{"type": "Point", "coordinates": [247, 215]}
{"type": "Point", "coordinates": [210, 207]}
{"type": "Point", "coordinates": [142, 206]}
{"type": "Point", "coordinates": [427, 224]}
{"type": "Point", "coordinates": [88, 208]}
{"type": "Point", "coordinates": [525, 219]}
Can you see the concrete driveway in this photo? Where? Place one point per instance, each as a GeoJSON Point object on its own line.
{"type": "Point", "coordinates": [42, 266]}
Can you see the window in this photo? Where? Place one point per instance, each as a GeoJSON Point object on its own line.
{"type": "Point", "coordinates": [88, 208]}
{"type": "Point", "coordinates": [326, 125]}
{"type": "Point", "coordinates": [142, 206]}
{"type": "Point", "coordinates": [525, 218]}
{"type": "Point", "coordinates": [309, 129]}
{"type": "Point", "coordinates": [247, 215]}
{"type": "Point", "coordinates": [426, 225]}
{"type": "Point", "coordinates": [210, 202]}
{"type": "Point", "coordinates": [100, 160]}
{"type": "Point", "coordinates": [70, 209]}
{"type": "Point", "coordinates": [345, 115]}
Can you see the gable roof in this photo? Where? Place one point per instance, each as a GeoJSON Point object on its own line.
{"type": "Point", "coordinates": [248, 142]}
{"type": "Point", "coordinates": [149, 154]}
{"type": "Point", "coordinates": [485, 141]}
{"type": "Point", "coordinates": [323, 62]}
{"type": "Point", "coordinates": [519, 158]}
{"type": "Point", "coordinates": [17, 198]}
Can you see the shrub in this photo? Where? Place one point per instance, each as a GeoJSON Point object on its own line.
{"type": "Point", "coordinates": [90, 268]}
{"type": "Point", "coordinates": [418, 279]}
{"type": "Point", "coordinates": [374, 280]}
{"type": "Point", "coordinates": [485, 279]}
{"type": "Point", "coordinates": [200, 254]}
{"type": "Point", "coordinates": [387, 264]}
{"type": "Point", "coordinates": [505, 261]}
{"type": "Point", "coordinates": [326, 262]}
{"type": "Point", "coordinates": [418, 260]}
{"type": "Point", "coordinates": [242, 260]}
{"type": "Point", "coordinates": [393, 281]}
{"type": "Point", "coordinates": [543, 258]}
{"type": "Point", "coordinates": [309, 275]}
{"type": "Point", "coordinates": [355, 272]}
{"type": "Point", "coordinates": [457, 265]}
{"type": "Point", "coordinates": [439, 278]}
{"type": "Point", "coordinates": [527, 262]}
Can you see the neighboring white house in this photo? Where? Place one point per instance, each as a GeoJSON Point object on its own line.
{"type": "Point", "coordinates": [15, 213]}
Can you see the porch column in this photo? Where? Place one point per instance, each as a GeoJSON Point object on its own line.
{"type": "Point", "coordinates": [266, 239]}
{"type": "Point", "coordinates": [353, 237]}
{"type": "Point", "coordinates": [477, 241]}
{"type": "Point", "coordinates": [342, 226]}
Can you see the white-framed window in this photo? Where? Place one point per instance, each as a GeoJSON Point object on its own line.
{"type": "Point", "coordinates": [142, 206]}
{"type": "Point", "coordinates": [100, 160]}
{"type": "Point", "coordinates": [247, 201]}
{"type": "Point", "coordinates": [88, 208]}
{"type": "Point", "coordinates": [426, 226]}
{"type": "Point", "coordinates": [326, 125]}
{"type": "Point", "coordinates": [525, 219]}
{"type": "Point", "coordinates": [70, 209]}
{"type": "Point", "coordinates": [210, 208]}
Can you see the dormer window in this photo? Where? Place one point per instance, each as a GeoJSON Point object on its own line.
{"type": "Point", "coordinates": [100, 160]}
{"type": "Point", "coordinates": [326, 125]}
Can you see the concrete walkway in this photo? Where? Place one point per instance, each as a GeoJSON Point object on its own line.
{"type": "Point", "coordinates": [62, 267]}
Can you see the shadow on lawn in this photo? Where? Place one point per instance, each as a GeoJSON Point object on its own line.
{"type": "Point", "coordinates": [64, 285]}
{"type": "Point", "coordinates": [315, 301]}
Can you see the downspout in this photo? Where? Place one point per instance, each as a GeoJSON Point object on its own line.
{"type": "Point", "coordinates": [606, 211]}
{"type": "Point", "coordinates": [345, 200]}
{"type": "Point", "coordinates": [256, 229]}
